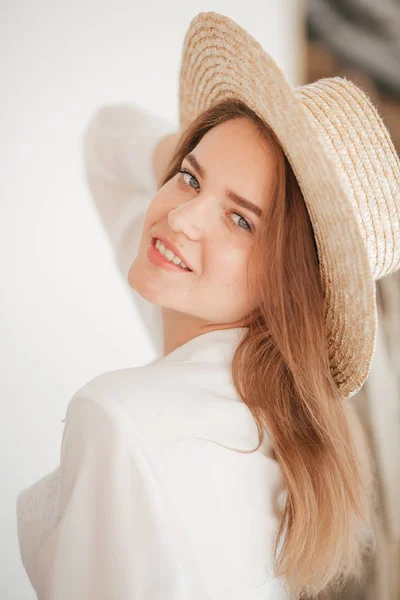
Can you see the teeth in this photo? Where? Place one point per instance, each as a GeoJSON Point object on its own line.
{"type": "Point", "coordinates": [169, 255]}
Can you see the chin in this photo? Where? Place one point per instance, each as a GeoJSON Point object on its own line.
{"type": "Point", "coordinates": [142, 281]}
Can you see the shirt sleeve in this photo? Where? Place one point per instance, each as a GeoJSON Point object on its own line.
{"type": "Point", "coordinates": [118, 144]}
{"type": "Point", "coordinates": [111, 539]}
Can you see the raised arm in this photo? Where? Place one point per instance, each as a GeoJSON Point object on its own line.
{"type": "Point", "coordinates": [118, 145]}
{"type": "Point", "coordinates": [121, 170]}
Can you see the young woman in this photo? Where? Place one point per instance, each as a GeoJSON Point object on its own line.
{"type": "Point", "coordinates": [231, 466]}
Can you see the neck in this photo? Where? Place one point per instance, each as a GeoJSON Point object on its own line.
{"type": "Point", "coordinates": [179, 328]}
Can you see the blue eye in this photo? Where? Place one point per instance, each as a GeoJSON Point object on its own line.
{"type": "Point", "coordinates": [185, 171]}
{"type": "Point", "coordinates": [191, 177]}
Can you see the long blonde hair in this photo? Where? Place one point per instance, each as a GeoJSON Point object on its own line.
{"type": "Point", "coordinates": [281, 372]}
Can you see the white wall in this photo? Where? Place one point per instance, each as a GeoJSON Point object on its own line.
{"type": "Point", "coordinates": [66, 314]}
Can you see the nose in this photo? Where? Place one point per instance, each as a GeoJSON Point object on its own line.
{"type": "Point", "coordinates": [195, 217]}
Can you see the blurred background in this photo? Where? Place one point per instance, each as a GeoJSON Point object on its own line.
{"type": "Point", "coordinates": [360, 40]}
{"type": "Point", "coordinates": [66, 314]}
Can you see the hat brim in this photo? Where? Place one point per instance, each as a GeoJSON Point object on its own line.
{"type": "Point", "coordinates": [221, 59]}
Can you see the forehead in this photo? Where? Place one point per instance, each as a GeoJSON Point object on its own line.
{"type": "Point", "coordinates": [235, 155]}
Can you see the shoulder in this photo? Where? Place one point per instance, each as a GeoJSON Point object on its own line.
{"type": "Point", "coordinates": [132, 389]}
{"type": "Point", "coordinates": [112, 400]}
{"type": "Point", "coordinates": [165, 402]}
{"type": "Point", "coordinates": [147, 399]}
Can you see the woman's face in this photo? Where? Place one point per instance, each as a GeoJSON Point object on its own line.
{"type": "Point", "coordinates": [211, 232]}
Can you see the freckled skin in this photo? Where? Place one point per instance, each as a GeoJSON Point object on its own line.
{"type": "Point", "coordinates": [196, 215]}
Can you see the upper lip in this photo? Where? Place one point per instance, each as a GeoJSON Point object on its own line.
{"type": "Point", "coordinates": [168, 244]}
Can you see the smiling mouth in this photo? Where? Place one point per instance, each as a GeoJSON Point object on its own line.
{"type": "Point", "coordinates": [170, 248]}
{"type": "Point", "coordinates": [157, 257]}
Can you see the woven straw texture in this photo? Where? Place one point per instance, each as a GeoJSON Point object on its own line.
{"type": "Point", "coordinates": [344, 161]}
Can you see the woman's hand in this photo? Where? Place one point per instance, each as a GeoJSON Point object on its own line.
{"type": "Point", "coordinates": [162, 154]}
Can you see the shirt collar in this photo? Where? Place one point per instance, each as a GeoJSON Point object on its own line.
{"type": "Point", "coordinates": [218, 345]}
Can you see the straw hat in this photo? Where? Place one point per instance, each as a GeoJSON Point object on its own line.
{"type": "Point", "coordinates": [344, 161]}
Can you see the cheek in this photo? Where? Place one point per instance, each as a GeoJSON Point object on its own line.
{"type": "Point", "coordinates": [155, 207]}
{"type": "Point", "coordinates": [228, 267]}
{"type": "Point", "coordinates": [154, 215]}
{"type": "Point", "coordinates": [160, 205]}
{"type": "Point", "coordinates": [224, 285]}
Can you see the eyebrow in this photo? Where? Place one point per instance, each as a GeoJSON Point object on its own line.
{"type": "Point", "coordinates": [229, 193]}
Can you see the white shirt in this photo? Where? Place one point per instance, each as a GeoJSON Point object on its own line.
{"type": "Point", "coordinates": [150, 501]}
